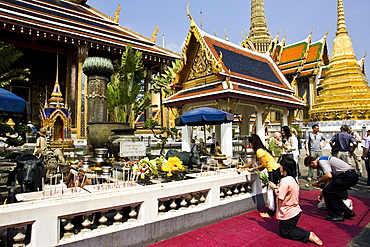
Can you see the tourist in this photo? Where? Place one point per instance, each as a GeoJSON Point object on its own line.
{"type": "Point", "coordinates": [341, 144]}
{"type": "Point", "coordinates": [367, 134]}
{"type": "Point", "coordinates": [314, 144]}
{"type": "Point", "coordinates": [353, 155]}
{"type": "Point", "coordinates": [342, 177]}
{"type": "Point", "coordinates": [290, 144]}
{"type": "Point", "coordinates": [288, 210]}
{"type": "Point", "coordinates": [266, 160]}
{"type": "Point", "coordinates": [33, 128]}
{"type": "Point", "coordinates": [275, 146]}
{"type": "Point", "coordinates": [296, 152]}
{"type": "Point", "coordinates": [213, 144]}
{"type": "Point", "coordinates": [365, 156]}
{"type": "Point", "coordinates": [202, 148]}
{"type": "Point", "coordinates": [40, 142]}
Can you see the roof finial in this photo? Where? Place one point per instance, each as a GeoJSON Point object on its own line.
{"type": "Point", "coordinates": [154, 34]}
{"type": "Point", "coordinates": [188, 12]}
{"type": "Point", "coordinates": [312, 29]}
{"type": "Point", "coordinates": [327, 32]}
{"type": "Point", "coordinates": [286, 34]}
{"type": "Point", "coordinates": [227, 38]}
{"type": "Point", "coordinates": [192, 22]}
{"type": "Point", "coordinates": [341, 25]}
{"type": "Point", "coordinates": [116, 15]}
{"type": "Point", "coordinates": [201, 20]}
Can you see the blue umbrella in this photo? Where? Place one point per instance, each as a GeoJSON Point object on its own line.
{"type": "Point", "coordinates": [204, 116]}
{"type": "Point", "coordinates": [12, 103]}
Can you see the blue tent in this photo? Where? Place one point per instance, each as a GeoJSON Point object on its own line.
{"type": "Point", "coordinates": [204, 116]}
{"type": "Point", "coordinates": [9, 102]}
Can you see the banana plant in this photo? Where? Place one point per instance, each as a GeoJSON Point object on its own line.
{"type": "Point", "coordinates": [8, 55]}
{"type": "Point", "coordinates": [126, 97]}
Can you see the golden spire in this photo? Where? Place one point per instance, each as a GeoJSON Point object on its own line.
{"type": "Point", "coordinates": [259, 34]}
{"type": "Point", "coordinates": [56, 95]}
{"type": "Point", "coordinates": [341, 25]}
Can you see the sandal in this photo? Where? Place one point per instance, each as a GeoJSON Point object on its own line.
{"type": "Point", "coordinates": [266, 215]}
{"type": "Point", "coordinates": [315, 239]}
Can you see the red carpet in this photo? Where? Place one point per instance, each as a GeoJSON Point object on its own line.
{"type": "Point", "coordinates": [250, 229]}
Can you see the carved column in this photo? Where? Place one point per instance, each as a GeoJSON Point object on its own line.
{"type": "Point", "coordinates": [98, 70]}
{"type": "Point", "coordinates": [80, 116]}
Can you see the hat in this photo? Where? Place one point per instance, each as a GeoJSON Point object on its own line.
{"type": "Point", "coordinates": [42, 132]}
{"type": "Point", "coordinates": [368, 131]}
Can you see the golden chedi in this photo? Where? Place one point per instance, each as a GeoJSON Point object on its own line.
{"type": "Point", "coordinates": [345, 93]}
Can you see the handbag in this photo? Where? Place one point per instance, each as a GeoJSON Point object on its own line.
{"type": "Point", "coordinates": [270, 198]}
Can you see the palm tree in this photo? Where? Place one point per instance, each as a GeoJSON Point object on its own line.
{"type": "Point", "coordinates": [8, 55]}
{"type": "Point", "coordinates": [126, 96]}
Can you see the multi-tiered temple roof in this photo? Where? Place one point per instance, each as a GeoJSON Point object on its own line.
{"type": "Point", "coordinates": [73, 22]}
{"type": "Point", "coordinates": [213, 69]}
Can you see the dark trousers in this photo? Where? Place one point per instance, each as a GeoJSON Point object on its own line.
{"type": "Point", "coordinates": [274, 176]}
{"type": "Point", "coordinates": [367, 165]}
{"type": "Point", "coordinates": [289, 229]}
{"type": "Point", "coordinates": [332, 192]}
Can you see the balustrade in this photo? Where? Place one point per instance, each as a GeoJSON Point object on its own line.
{"type": "Point", "coordinates": [82, 225]}
{"type": "Point", "coordinates": [181, 202]}
{"type": "Point", "coordinates": [234, 190]}
{"type": "Point", "coordinates": [79, 218]}
{"type": "Point", "coordinates": [16, 236]}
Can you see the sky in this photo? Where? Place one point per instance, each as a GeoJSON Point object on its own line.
{"type": "Point", "coordinates": [294, 18]}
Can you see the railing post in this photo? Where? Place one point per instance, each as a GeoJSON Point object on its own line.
{"type": "Point", "coordinates": [148, 210]}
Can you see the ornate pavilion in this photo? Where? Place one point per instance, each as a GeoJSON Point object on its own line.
{"type": "Point", "coordinates": [219, 74]}
{"type": "Point", "coordinates": [73, 31]}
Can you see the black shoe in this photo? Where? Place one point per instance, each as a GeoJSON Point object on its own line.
{"type": "Point", "coordinates": [349, 215]}
{"type": "Point", "coordinates": [335, 218]}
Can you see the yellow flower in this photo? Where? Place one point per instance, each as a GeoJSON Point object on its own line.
{"type": "Point", "coordinates": [169, 174]}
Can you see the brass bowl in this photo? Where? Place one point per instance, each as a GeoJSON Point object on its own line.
{"type": "Point", "coordinates": [95, 168]}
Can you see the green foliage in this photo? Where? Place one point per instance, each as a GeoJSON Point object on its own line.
{"type": "Point", "coordinates": [126, 96]}
{"type": "Point", "coordinates": [8, 55]}
{"type": "Point", "coordinates": [14, 142]}
{"type": "Point", "coordinates": [164, 131]}
{"type": "Point", "coordinates": [22, 129]}
{"type": "Point", "coordinates": [4, 128]}
{"type": "Point", "coordinates": [161, 83]}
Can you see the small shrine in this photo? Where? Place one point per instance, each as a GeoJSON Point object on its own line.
{"type": "Point", "coordinates": [56, 118]}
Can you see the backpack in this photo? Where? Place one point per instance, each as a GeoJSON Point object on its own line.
{"type": "Point", "coordinates": [299, 142]}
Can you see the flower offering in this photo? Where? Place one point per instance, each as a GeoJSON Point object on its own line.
{"type": "Point", "coordinates": [174, 164]}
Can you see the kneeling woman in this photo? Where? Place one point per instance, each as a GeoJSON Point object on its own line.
{"type": "Point", "coordinates": [288, 210]}
{"type": "Point", "coordinates": [266, 160]}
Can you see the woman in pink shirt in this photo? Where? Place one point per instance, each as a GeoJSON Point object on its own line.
{"type": "Point", "coordinates": [288, 210]}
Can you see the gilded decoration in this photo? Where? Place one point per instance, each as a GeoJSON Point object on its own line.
{"type": "Point", "coordinates": [201, 66]}
{"type": "Point", "coordinates": [154, 34]}
{"type": "Point", "coordinates": [345, 93]}
{"type": "Point", "coordinates": [204, 62]}
{"type": "Point", "coordinates": [116, 14]}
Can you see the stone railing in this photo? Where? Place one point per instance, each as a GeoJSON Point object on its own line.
{"type": "Point", "coordinates": [131, 216]}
